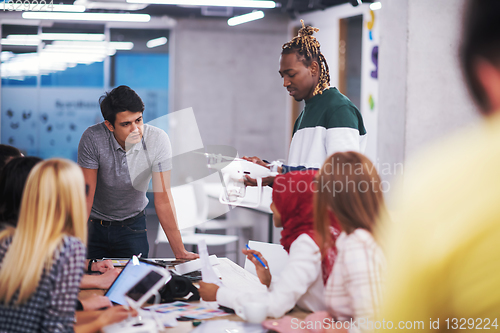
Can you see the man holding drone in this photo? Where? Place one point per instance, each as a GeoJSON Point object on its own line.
{"type": "Point", "coordinates": [329, 123]}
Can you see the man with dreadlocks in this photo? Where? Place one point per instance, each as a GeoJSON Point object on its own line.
{"type": "Point", "coordinates": [329, 123]}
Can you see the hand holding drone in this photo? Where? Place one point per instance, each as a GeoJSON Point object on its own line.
{"type": "Point", "coordinates": [274, 166]}
{"type": "Point", "coordinates": [233, 172]}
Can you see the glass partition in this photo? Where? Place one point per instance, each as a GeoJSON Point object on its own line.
{"type": "Point", "coordinates": [52, 78]}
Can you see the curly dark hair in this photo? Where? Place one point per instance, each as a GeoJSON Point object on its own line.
{"type": "Point", "coordinates": [308, 47]}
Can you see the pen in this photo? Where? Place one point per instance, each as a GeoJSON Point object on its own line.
{"type": "Point", "coordinates": [263, 265]}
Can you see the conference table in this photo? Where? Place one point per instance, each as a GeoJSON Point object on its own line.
{"type": "Point", "coordinates": [232, 276]}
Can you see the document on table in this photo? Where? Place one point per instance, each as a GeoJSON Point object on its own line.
{"type": "Point", "coordinates": [237, 278]}
{"type": "Point", "coordinates": [207, 271]}
{"type": "Point", "coordinates": [225, 326]}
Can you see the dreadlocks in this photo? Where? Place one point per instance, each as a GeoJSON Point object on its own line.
{"type": "Point", "coordinates": [307, 46]}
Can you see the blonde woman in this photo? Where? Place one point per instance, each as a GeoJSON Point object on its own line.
{"type": "Point", "coordinates": [42, 260]}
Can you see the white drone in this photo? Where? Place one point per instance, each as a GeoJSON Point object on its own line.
{"type": "Point", "coordinates": [233, 171]}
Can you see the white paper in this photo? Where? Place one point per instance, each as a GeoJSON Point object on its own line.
{"type": "Point", "coordinates": [226, 326]}
{"type": "Point", "coordinates": [275, 254]}
{"type": "Point", "coordinates": [208, 274]}
{"type": "Point", "coordinates": [236, 278]}
{"type": "Point", "coordinates": [194, 265]}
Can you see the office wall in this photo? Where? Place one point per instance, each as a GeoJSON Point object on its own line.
{"type": "Point", "coordinates": [229, 76]}
{"type": "Point", "coordinates": [422, 94]}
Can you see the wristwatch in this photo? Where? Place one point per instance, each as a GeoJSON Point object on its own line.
{"type": "Point", "coordinates": [91, 261]}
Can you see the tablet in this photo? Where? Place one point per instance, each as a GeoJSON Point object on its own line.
{"type": "Point", "coordinates": [128, 278]}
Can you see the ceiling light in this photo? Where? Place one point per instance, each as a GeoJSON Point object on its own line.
{"type": "Point", "coordinates": [156, 42]}
{"type": "Point", "coordinates": [103, 51]}
{"type": "Point", "coordinates": [63, 8]}
{"type": "Point", "coordinates": [6, 55]}
{"type": "Point", "coordinates": [23, 37]}
{"type": "Point", "coordinates": [104, 17]}
{"type": "Point", "coordinates": [212, 3]}
{"type": "Point", "coordinates": [61, 36]}
{"type": "Point", "coordinates": [122, 46]}
{"type": "Point", "coordinates": [85, 44]}
{"type": "Point", "coordinates": [376, 5]}
{"type": "Point", "coordinates": [111, 5]}
{"type": "Point", "coordinates": [18, 42]}
{"type": "Point", "coordinates": [245, 18]}
{"type": "Point", "coordinates": [58, 36]}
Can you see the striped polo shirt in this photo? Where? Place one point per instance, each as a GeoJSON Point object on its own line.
{"type": "Point", "coordinates": [329, 123]}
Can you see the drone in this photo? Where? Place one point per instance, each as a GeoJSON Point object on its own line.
{"type": "Point", "coordinates": [233, 172]}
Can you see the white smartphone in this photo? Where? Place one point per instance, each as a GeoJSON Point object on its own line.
{"type": "Point", "coordinates": [154, 279]}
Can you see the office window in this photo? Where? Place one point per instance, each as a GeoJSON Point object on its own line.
{"type": "Point", "coordinates": [50, 88]}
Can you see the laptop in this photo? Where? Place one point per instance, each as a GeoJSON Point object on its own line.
{"type": "Point", "coordinates": [133, 272]}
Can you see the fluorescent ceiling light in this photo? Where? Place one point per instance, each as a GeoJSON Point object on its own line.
{"type": "Point", "coordinates": [116, 5]}
{"type": "Point", "coordinates": [105, 17]}
{"type": "Point", "coordinates": [376, 6]}
{"type": "Point", "coordinates": [156, 42]}
{"type": "Point", "coordinates": [58, 36]}
{"type": "Point", "coordinates": [112, 5]}
{"type": "Point", "coordinates": [245, 18]}
{"type": "Point", "coordinates": [124, 46]}
{"type": "Point", "coordinates": [6, 55]}
{"type": "Point", "coordinates": [63, 8]}
{"type": "Point", "coordinates": [89, 37]}
{"type": "Point", "coordinates": [18, 42]}
{"type": "Point", "coordinates": [212, 3]}
{"type": "Point", "coordinates": [103, 51]}
{"type": "Point", "coordinates": [23, 37]}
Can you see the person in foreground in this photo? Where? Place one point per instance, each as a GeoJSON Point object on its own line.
{"type": "Point", "coordinates": [301, 281]}
{"type": "Point", "coordinates": [12, 180]}
{"type": "Point", "coordinates": [7, 153]}
{"type": "Point", "coordinates": [42, 258]}
{"type": "Point", "coordinates": [349, 187]}
{"type": "Point", "coordinates": [443, 253]}
{"type": "Point", "coordinates": [355, 195]}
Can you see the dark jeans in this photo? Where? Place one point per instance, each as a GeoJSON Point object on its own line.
{"type": "Point", "coordinates": [117, 239]}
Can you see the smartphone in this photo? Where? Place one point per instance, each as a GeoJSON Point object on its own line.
{"type": "Point", "coordinates": [147, 287]}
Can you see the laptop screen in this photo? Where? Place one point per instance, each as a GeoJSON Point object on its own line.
{"type": "Point", "coordinates": [128, 277]}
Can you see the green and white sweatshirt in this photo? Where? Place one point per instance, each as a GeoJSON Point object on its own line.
{"type": "Point", "coordinates": [329, 123]}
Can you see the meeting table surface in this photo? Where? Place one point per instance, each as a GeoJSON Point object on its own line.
{"type": "Point", "coordinates": [232, 276]}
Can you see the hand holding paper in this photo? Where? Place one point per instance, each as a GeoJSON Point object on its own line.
{"type": "Point", "coordinates": [208, 274]}
{"type": "Point", "coordinates": [210, 284]}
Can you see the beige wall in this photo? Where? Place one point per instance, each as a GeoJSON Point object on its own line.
{"type": "Point", "coordinates": [229, 76]}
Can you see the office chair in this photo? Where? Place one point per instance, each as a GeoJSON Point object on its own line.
{"type": "Point", "coordinates": [191, 210]}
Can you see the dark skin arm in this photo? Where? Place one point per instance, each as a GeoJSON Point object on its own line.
{"type": "Point", "coordinates": [265, 181]}
{"type": "Point", "coordinates": [208, 291]}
